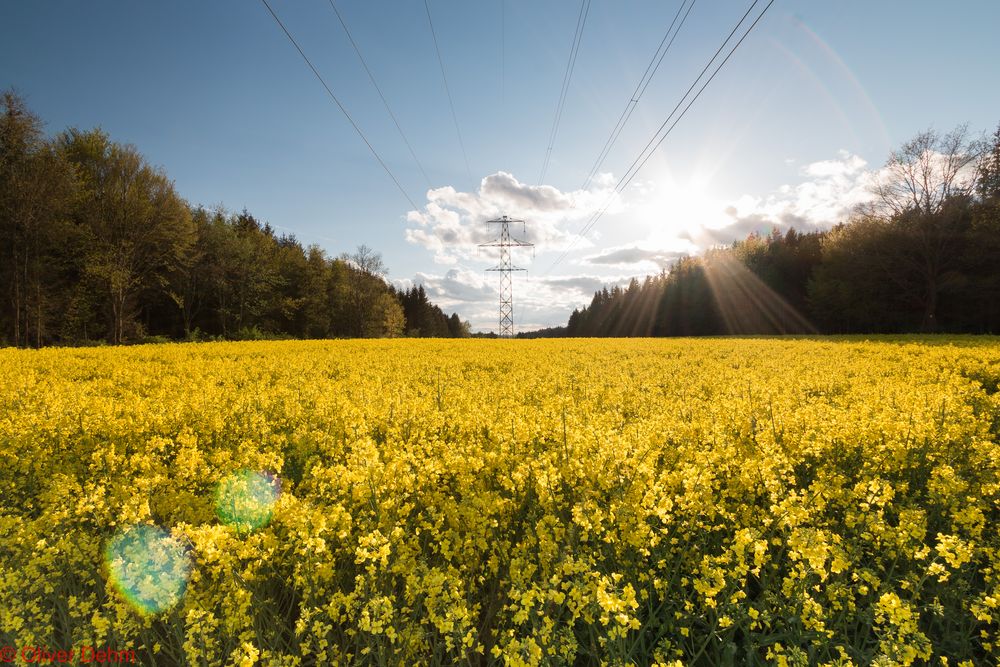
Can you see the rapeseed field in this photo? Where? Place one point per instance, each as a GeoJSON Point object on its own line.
{"type": "Point", "coordinates": [570, 502]}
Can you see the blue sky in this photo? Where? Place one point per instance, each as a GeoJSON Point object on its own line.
{"type": "Point", "coordinates": [786, 134]}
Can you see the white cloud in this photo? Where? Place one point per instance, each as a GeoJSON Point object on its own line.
{"type": "Point", "coordinates": [584, 285]}
{"type": "Point", "coordinates": [456, 286]}
{"type": "Point", "coordinates": [846, 165]}
{"type": "Point", "coordinates": [829, 192]}
{"type": "Point", "coordinates": [451, 225]}
{"type": "Point", "coordinates": [637, 257]}
{"type": "Point", "coordinates": [538, 301]}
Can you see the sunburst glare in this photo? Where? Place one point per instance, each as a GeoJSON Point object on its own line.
{"type": "Point", "coordinates": [245, 499]}
{"type": "Point", "coordinates": [149, 567]}
{"type": "Point", "coordinates": [747, 305]}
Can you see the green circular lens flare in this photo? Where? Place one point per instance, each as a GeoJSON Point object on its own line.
{"type": "Point", "coordinates": [149, 567]}
{"type": "Point", "coordinates": [245, 499]}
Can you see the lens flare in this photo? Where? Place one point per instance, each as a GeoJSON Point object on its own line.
{"type": "Point", "coordinates": [747, 305]}
{"type": "Point", "coordinates": [245, 499]}
{"type": "Point", "coordinates": [149, 567]}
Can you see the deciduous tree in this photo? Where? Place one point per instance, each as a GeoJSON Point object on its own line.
{"type": "Point", "coordinates": [139, 229]}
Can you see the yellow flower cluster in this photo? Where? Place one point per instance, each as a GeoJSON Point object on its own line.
{"type": "Point", "coordinates": [402, 502]}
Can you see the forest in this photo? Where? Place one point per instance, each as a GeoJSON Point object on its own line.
{"type": "Point", "coordinates": [923, 256]}
{"type": "Point", "coordinates": [96, 246]}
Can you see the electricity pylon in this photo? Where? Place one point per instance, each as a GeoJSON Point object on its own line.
{"type": "Point", "coordinates": [505, 267]}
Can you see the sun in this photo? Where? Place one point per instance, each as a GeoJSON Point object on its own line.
{"type": "Point", "coordinates": [674, 211]}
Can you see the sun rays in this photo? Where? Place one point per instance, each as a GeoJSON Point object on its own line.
{"type": "Point", "coordinates": [746, 304]}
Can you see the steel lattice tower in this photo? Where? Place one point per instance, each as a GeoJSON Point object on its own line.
{"type": "Point", "coordinates": [505, 267]}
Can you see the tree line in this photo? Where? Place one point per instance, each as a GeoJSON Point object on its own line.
{"type": "Point", "coordinates": [97, 246]}
{"type": "Point", "coordinates": [922, 256]}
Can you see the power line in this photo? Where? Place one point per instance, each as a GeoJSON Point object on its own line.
{"type": "Point", "coordinates": [654, 142]}
{"type": "Point", "coordinates": [339, 105]}
{"type": "Point", "coordinates": [447, 89]}
{"type": "Point", "coordinates": [503, 49]}
{"type": "Point", "coordinates": [651, 146]}
{"type": "Point", "coordinates": [640, 88]}
{"type": "Point", "coordinates": [581, 21]}
{"type": "Point", "coordinates": [371, 77]}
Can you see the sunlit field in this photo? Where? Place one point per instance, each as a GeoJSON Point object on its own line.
{"type": "Point", "coordinates": [697, 502]}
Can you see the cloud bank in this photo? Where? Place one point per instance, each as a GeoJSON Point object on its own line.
{"type": "Point", "coordinates": [451, 226]}
{"type": "Point", "coordinates": [829, 192]}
